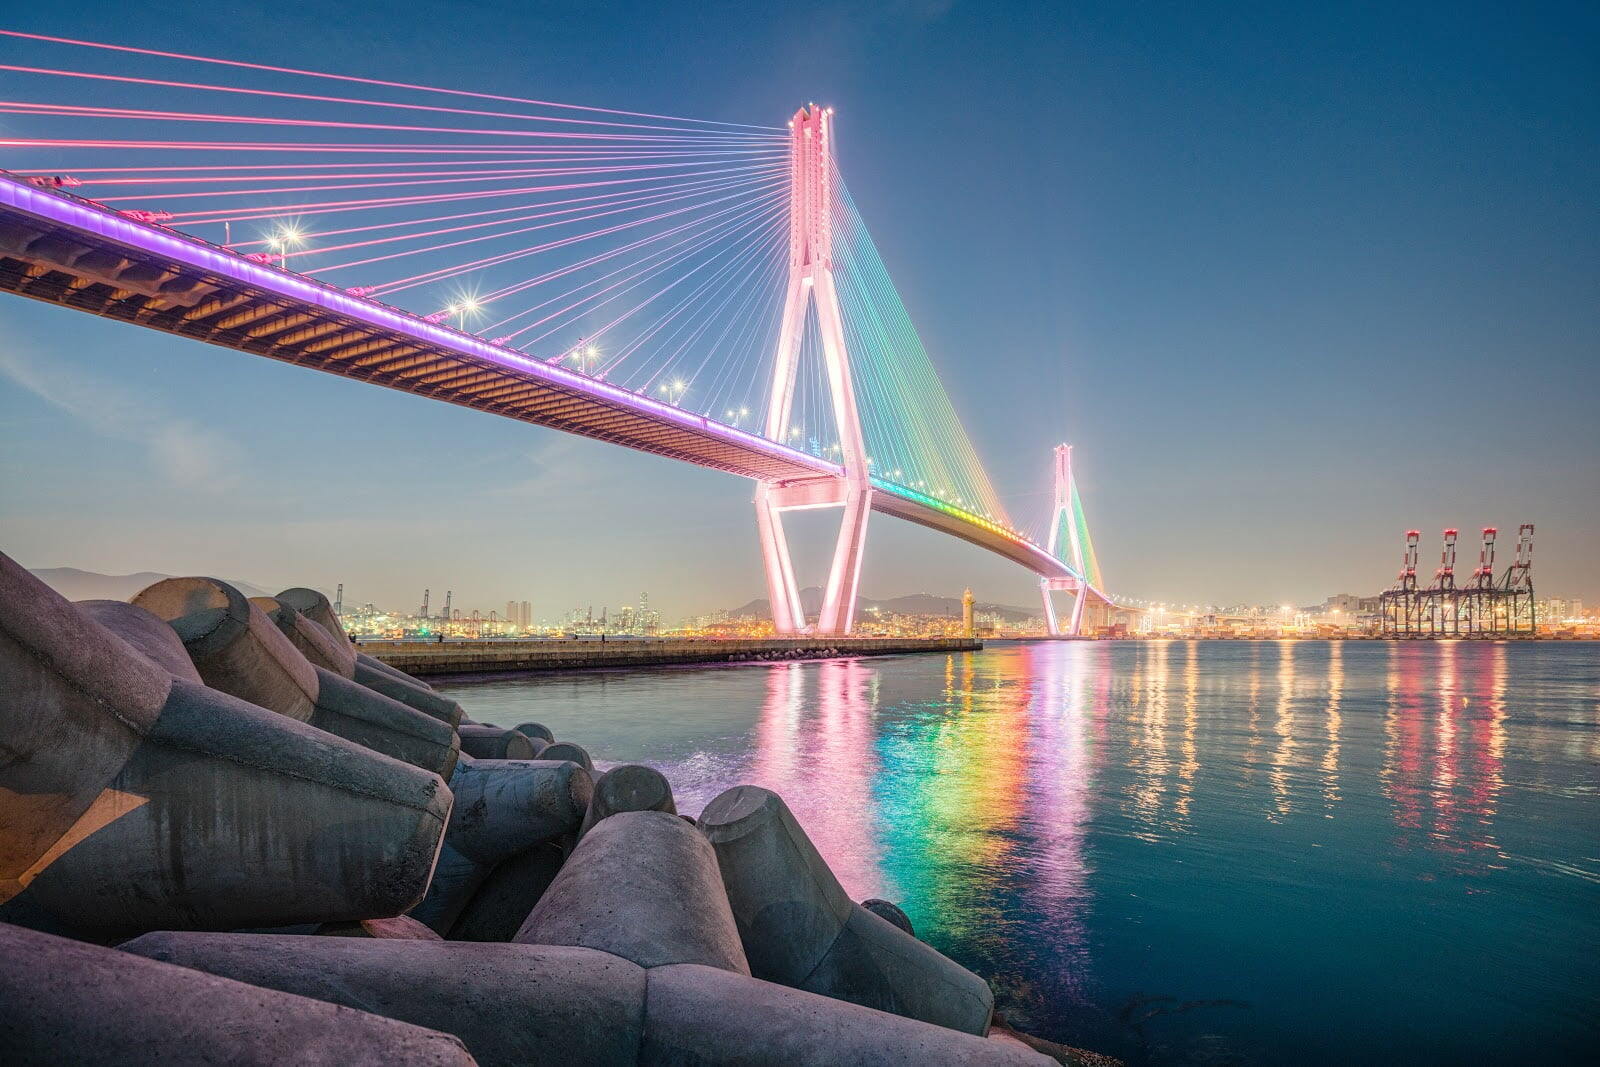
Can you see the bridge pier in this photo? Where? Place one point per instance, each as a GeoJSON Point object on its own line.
{"type": "Point", "coordinates": [811, 282]}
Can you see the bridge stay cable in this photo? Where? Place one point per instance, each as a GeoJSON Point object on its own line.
{"type": "Point", "coordinates": [700, 289]}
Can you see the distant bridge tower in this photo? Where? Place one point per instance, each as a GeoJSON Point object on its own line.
{"type": "Point", "coordinates": [1066, 537]}
{"type": "Point", "coordinates": [338, 600]}
{"type": "Point", "coordinates": [811, 283]}
{"type": "Point", "coordinates": [448, 593]}
{"type": "Point", "coordinates": [422, 612]}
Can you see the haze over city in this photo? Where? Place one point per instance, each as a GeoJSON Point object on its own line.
{"type": "Point", "coordinates": [1279, 327]}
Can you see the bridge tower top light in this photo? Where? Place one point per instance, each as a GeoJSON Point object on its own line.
{"type": "Point", "coordinates": [811, 177]}
{"type": "Point", "coordinates": [1063, 476]}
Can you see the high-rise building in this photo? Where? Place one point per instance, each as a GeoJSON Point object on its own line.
{"type": "Point", "coordinates": [525, 615]}
{"type": "Point", "coordinates": [646, 620]}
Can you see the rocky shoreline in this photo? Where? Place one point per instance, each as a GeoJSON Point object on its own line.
{"type": "Point", "coordinates": [226, 835]}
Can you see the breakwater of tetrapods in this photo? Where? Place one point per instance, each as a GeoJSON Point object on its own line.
{"type": "Point", "coordinates": [228, 835]}
{"type": "Point", "coordinates": [502, 657]}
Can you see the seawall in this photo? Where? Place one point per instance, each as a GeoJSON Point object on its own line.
{"type": "Point", "coordinates": [523, 657]}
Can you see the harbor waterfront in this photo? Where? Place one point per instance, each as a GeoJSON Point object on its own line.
{"type": "Point", "coordinates": [497, 657]}
{"type": "Point", "coordinates": [1182, 852]}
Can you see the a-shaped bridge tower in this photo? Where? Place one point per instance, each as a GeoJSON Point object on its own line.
{"type": "Point", "coordinates": [810, 285]}
{"type": "Point", "coordinates": [1070, 543]}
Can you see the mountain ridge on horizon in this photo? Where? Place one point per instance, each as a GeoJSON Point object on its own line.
{"type": "Point", "coordinates": [74, 583]}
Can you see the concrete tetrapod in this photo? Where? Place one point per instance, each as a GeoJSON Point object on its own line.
{"type": "Point", "coordinates": [568, 750]}
{"type": "Point", "coordinates": [394, 672]}
{"type": "Point", "coordinates": [239, 650]}
{"type": "Point", "coordinates": [148, 635]}
{"type": "Point", "coordinates": [517, 1004]}
{"type": "Point", "coordinates": [510, 1004]}
{"type": "Point", "coordinates": [64, 1002]}
{"type": "Point", "coordinates": [642, 885]}
{"type": "Point", "coordinates": [416, 693]}
{"type": "Point", "coordinates": [502, 903]}
{"type": "Point", "coordinates": [233, 644]}
{"type": "Point", "coordinates": [630, 787]}
{"type": "Point", "coordinates": [402, 687]}
{"type": "Point", "coordinates": [696, 1014]}
{"type": "Point", "coordinates": [800, 929]}
{"type": "Point", "coordinates": [889, 911]}
{"type": "Point", "coordinates": [314, 606]}
{"type": "Point", "coordinates": [77, 702]}
{"type": "Point", "coordinates": [228, 815]}
{"type": "Point", "coordinates": [313, 642]}
{"type": "Point", "coordinates": [502, 808]}
{"type": "Point", "coordinates": [491, 742]}
{"type": "Point", "coordinates": [537, 729]}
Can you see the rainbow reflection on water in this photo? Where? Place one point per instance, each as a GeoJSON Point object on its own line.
{"type": "Point", "coordinates": [1181, 852]}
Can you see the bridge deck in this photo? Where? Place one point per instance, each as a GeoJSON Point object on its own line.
{"type": "Point", "coordinates": [63, 250]}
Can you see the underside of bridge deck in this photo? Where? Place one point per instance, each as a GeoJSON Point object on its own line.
{"type": "Point", "coordinates": [215, 296]}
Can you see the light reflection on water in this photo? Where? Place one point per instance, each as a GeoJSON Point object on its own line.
{"type": "Point", "coordinates": [1180, 851]}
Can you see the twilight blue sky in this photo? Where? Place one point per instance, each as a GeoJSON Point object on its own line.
{"type": "Point", "coordinates": [1292, 277]}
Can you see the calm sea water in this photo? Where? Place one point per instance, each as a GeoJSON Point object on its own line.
{"type": "Point", "coordinates": [1183, 852]}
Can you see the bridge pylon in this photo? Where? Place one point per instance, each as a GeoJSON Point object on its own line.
{"type": "Point", "coordinates": [811, 284]}
{"type": "Point", "coordinates": [1065, 536]}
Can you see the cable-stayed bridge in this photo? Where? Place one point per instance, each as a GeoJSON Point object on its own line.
{"type": "Point", "coordinates": [700, 290]}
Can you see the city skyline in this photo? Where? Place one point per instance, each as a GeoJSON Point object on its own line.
{"type": "Point", "coordinates": [1290, 485]}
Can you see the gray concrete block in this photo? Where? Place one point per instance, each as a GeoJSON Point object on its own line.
{"type": "Point", "coordinates": [568, 750]}
{"type": "Point", "coordinates": [788, 904]}
{"type": "Point", "coordinates": [518, 1004]}
{"type": "Point", "coordinates": [235, 647]}
{"type": "Point", "coordinates": [889, 911]}
{"type": "Point", "coordinates": [502, 808]}
{"type": "Point", "coordinates": [148, 635]}
{"type": "Point", "coordinates": [356, 713]}
{"type": "Point", "coordinates": [629, 787]}
{"type": "Point", "coordinates": [241, 649]}
{"type": "Point", "coordinates": [642, 885]}
{"type": "Point", "coordinates": [228, 816]}
{"type": "Point", "coordinates": [77, 701]}
{"type": "Point", "coordinates": [703, 1015]}
{"type": "Point", "coordinates": [64, 1002]}
{"type": "Point", "coordinates": [800, 929]}
{"type": "Point", "coordinates": [876, 964]}
{"type": "Point", "coordinates": [510, 1004]}
{"type": "Point", "coordinates": [314, 606]}
{"type": "Point", "coordinates": [408, 692]}
{"type": "Point", "coordinates": [394, 672]}
{"type": "Point", "coordinates": [491, 742]}
{"type": "Point", "coordinates": [536, 729]}
{"type": "Point", "coordinates": [311, 640]}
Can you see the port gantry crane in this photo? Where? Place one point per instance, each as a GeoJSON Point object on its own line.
{"type": "Point", "coordinates": [1439, 600]}
{"type": "Point", "coordinates": [1481, 608]}
{"type": "Point", "coordinates": [1398, 603]}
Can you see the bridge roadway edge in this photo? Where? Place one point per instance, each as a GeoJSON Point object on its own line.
{"type": "Point", "coordinates": [207, 293]}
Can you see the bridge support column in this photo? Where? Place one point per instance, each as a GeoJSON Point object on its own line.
{"type": "Point", "coordinates": [788, 616]}
{"type": "Point", "coordinates": [1052, 619]}
{"type": "Point", "coordinates": [811, 282]}
{"type": "Point", "coordinates": [1068, 544]}
{"type": "Point", "coordinates": [1077, 611]}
